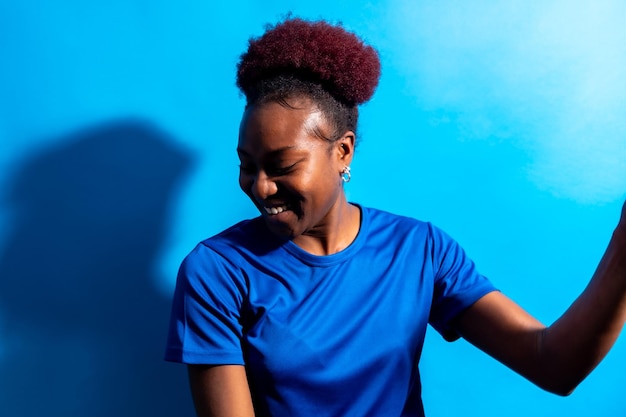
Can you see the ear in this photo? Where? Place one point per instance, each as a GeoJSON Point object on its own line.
{"type": "Point", "coordinates": [345, 148]}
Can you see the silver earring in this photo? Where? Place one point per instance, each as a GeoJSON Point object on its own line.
{"type": "Point", "coordinates": [345, 174]}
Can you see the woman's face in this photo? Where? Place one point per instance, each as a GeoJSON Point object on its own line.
{"type": "Point", "coordinates": [292, 175]}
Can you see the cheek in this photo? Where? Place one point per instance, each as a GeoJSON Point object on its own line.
{"type": "Point", "coordinates": [245, 183]}
{"type": "Point", "coordinates": [323, 185]}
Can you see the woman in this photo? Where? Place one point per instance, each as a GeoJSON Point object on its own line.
{"type": "Point", "coordinates": [319, 307]}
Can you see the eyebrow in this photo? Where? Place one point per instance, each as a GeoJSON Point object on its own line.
{"type": "Point", "coordinates": [275, 152]}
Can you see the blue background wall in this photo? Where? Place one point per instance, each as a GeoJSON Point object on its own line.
{"type": "Point", "coordinates": [503, 124]}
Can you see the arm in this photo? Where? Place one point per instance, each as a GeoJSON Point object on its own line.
{"type": "Point", "coordinates": [220, 391]}
{"type": "Point", "coordinates": [559, 357]}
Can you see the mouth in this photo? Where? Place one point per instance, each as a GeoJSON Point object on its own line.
{"type": "Point", "coordinates": [276, 209]}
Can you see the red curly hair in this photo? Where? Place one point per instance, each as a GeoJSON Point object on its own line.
{"type": "Point", "coordinates": [325, 63]}
{"type": "Point", "coordinates": [312, 51]}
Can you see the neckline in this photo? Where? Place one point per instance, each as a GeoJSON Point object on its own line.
{"type": "Point", "coordinates": [326, 260]}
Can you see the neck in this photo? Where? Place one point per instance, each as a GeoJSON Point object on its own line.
{"type": "Point", "coordinates": [338, 231]}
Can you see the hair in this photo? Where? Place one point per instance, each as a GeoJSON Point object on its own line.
{"type": "Point", "coordinates": [323, 62]}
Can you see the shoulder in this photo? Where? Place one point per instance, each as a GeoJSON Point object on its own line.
{"type": "Point", "coordinates": [239, 233]}
{"type": "Point", "coordinates": [381, 221]}
{"type": "Point", "coordinates": [246, 237]}
{"type": "Point", "coordinates": [224, 247]}
{"type": "Point", "coordinates": [241, 244]}
{"type": "Point", "coordinates": [216, 263]}
{"type": "Point", "coordinates": [388, 228]}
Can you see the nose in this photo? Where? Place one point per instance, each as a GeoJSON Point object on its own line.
{"type": "Point", "coordinates": [263, 186]}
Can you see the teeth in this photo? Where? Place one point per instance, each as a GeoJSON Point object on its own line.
{"type": "Point", "coordinates": [275, 210]}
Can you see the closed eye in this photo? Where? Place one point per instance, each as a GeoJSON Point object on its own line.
{"type": "Point", "coordinates": [279, 171]}
{"type": "Point", "coordinates": [246, 169]}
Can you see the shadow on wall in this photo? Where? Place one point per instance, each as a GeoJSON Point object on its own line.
{"type": "Point", "coordinates": [83, 325]}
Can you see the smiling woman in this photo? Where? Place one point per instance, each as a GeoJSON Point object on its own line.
{"type": "Point", "coordinates": [319, 306]}
{"type": "Point", "coordinates": [298, 133]}
{"type": "Point", "coordinates": [293, 176]}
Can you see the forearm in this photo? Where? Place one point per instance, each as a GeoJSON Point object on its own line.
{"type": "Point", "coordinates": [572, 346]}
{"type": "Point", "coordinates": [559, 357]}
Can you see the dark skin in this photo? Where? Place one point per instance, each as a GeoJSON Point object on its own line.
{"type": "Point", "coordinates": [287, 167]}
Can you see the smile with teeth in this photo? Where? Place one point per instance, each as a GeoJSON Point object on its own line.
{"type": "Point", "coordinates": [276, 210]}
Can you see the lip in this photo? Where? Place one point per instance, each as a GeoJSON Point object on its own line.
{"type": "Point", "coordinates": [274, 208]}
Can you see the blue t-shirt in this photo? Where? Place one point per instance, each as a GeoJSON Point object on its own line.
{"type": "Point", "coordinates": [337, 335]}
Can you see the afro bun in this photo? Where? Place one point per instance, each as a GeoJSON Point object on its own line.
{"type": "Point", "coordinates": [313, 51]}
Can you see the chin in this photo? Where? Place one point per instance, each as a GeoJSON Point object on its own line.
{"type": "Point", "coordinates": [281, 229]}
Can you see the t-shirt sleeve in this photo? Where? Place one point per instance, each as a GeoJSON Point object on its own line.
{"type": "Point", "coordinates": [205, 325]}
{"type": "Point", "coordinates": [457, 283]}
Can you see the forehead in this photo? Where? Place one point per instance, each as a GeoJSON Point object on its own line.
{"type": "Point", "coordinates": [271, 126]}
